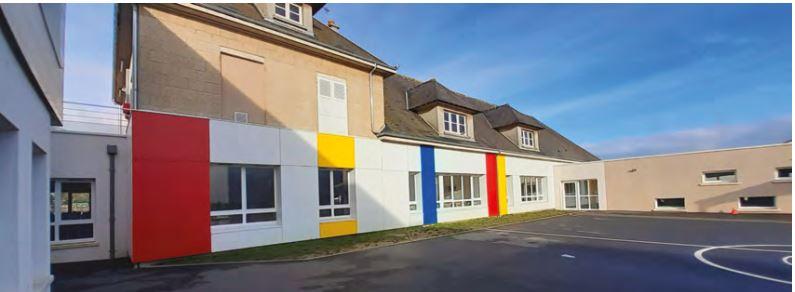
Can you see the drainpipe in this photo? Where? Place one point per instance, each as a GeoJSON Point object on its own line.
{"type": "Point", "coordinates": [407, 99]}
{"type": "Point", "coordinates": [372, 120]}
{"type": "Point", "coordinates": [112, 150]}
{"type": "Point", "coordinates": [135, 56]}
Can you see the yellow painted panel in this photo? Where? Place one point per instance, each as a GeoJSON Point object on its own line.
{"type": "Point", "coordinates": [337, 228]}
{"type": "Point", "coordinates": [335, 151]}
{"type": "Point", "coordinates": [502, 194]}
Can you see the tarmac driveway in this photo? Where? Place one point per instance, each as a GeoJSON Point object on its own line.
{"type": "Point", "coordinates": [585, 252]}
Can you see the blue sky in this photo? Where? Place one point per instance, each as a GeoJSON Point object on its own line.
{"type": "Point", "coordinates": [620, 80]}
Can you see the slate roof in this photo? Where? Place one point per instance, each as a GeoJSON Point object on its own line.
{"type": "Point", "coordinates": [506, 116]}
{"type": "Point", "coordinates": [431, 91]}
{"type": "Point", "coordinates": [401, 121]}
{"type": "Point", "coordinates": [323, 35]}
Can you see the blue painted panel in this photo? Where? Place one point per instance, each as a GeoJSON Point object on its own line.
{"type": "Point", "coordinates": [428, 175]}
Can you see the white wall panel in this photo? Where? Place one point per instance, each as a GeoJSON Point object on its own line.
{"type": "Point", "coordinates": [244, 236]}
{"type": "Point", "coordinates": [413, 156]}
{"type": "Point", "coordinates": [299, 202]}
{"type": "Point", "coordinates": [368, 153]}
{"type": "Point", "coordinates": [370, 207]}
{"type": "Point", "coordinates": [453, 161]}
{"type": "Point", "coordinates": [448, 215]}
{"type": "Point", "coordinates": [299, 148]}
{"type": "Point", "coordinates": [242, 143]}
{"type": "Point", "coordinates": [395, 198]}
{"type": "Point", "coordinates": [395, 156]}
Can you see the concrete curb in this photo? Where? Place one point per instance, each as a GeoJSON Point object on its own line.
{"type": "Point", "coordinates": [156, 266]}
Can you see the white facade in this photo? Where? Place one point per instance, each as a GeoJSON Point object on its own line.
{"type": "Point", "coordinates": [515, 168]}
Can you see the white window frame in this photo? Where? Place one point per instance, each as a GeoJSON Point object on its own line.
{"type": "Point", "coordinates": [287, 12]}
{"type": "Point", "coordinates": [780, 178]}
{"type": "Point", "coordinates": [741, 207]}
{"type": "Point", "coordinates": [528, 138]}
{"type": "Point", "coordinates": [333, 206]}
{"type": "Point", "coordinates": [473, 198]}
{"type": "Point", "coordinates": [526, 195]}
{"type": "Point", "coordinates": [58, 222]}
{"type": "Point", "coordinates": [662, 208]}
{"type": "Point", "coordinates": [455, 122]}
{"type": "Point", "coordinates": [333, 82]}
{"type": "Point", "coordinates": [705, 173]}
{"type": "Point", "coordinates": [416, 179]}
{"type": "Point", "coordinates": [244, 210]}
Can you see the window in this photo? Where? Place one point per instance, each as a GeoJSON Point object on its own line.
{"type": "Point", "coordinates": [332, 105]}
{"type": "Point", "coordinates": [784, 173]}
{"type": "Point", "coordinates": [527, 138]}
{"type": "Point", "coordinates": [242, 194]}
{"type": "Point", "coordinates": [458, 190]}
{"type": "Point", "coordinates": [533, 188]}
{"type": "Point", "coordinates": [334, 195]}
{"type": "Point", "coordinates": [70, 210]}
{"type": "Point", "coordinates": [414, 189]}
{"type": "Point", "coordinates": [670, 203]}
{"type": "Point", "coordinates": [455, 123]}
{"type": "Point", "coordinates": [758, 202]}
{"type": "Point", "coordinates": [728, 176]}
{"type": "Point", "coordinates": [289, 11]}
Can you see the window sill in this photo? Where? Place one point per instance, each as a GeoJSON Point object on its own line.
{"type": "Point", "coordinates": [72, 245]}
{"type": "Point", "coordinates": [782, 180]}
{"type": "Point", "coordinates": [669, 209]}
{"type": "Point", "coordinates": [289, 23]}
{"type": "Point", "coordinates": [529, 148]}
{"type": "Point", "coordinates": [218, 229]}
{"type": "Point", "coordinates": [758, 209]}
{"type": "Point", "coordinates": [336, 219]}
{"type": "Point", "coordinates": [467, 208]}
{"type": "Point", "coordinates": [719, 184]}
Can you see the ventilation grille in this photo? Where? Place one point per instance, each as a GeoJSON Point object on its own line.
{"type": "Point", "coordinates": [241, 117]}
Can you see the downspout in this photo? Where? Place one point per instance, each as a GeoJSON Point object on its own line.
{"type": "Point", "coordinates": [135, 57]}
{"type": "Point", "coordinates": [407, 99]}
{"type": "Point", "coordinates": [112, 150]}
{"type": "Point", "coordinates": [372, 115]}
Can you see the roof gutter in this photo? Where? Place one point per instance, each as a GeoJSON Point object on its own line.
{"type": "Point", "coordinates": [412, 141]}
{"type": "Point", "coordinates": [313, 46]}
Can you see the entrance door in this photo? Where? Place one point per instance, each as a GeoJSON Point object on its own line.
{"type": "Point", "coordinates": [581, 195]}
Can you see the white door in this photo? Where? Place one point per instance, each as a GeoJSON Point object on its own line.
{"type": "Point", "coordinates": [581, 195]}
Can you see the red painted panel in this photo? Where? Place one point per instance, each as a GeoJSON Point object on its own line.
{"type": "Point", "coordinates": [170, 185]}
{"type": "Point", "coordinates": [491, 185]}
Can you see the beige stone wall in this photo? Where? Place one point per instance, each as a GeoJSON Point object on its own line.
{"type": "Point", "coordinates": [634, 184]}
{"type": "Point", "coordinates": [179, 71]}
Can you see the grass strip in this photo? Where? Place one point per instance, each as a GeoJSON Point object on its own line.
{"type": "Point", "coordinates": [329, 246]}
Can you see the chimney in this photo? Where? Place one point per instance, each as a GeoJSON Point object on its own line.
{"type": "Point", "coordinates": [333, 25]}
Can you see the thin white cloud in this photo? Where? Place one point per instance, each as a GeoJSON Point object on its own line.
{"type": "Point", "coordinates": [771, 131]}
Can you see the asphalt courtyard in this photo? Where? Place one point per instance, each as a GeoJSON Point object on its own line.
{"type": "Point", "coordinates": [582, 252]}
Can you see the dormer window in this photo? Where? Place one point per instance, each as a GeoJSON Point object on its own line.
{"type": "Point", "coordinates": [527, 138]}
{"type": "Point", "coordinates": [455, 123]}
{"type": "Point", "coordinates": [289, 11]}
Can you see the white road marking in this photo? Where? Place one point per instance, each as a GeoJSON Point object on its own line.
{"type": "Point", "coordinates": [684, 218]}
{"type": "Point", "coordinates": [699, 254]}
{"type": "Point", "coordinates": [635, 241]}
{"type": "Point", "coordinates": [568, 256]}
{"type": "Point", "coordinates": [787, 260]}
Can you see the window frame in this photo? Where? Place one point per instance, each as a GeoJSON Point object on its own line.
{"type": "Point", "coordinates": [741, 207]}
{"type": "Point", "coordinates": [663, 208]}
{"type": "Point", "coordinates": [782, 178]}
{"type": "Point", "coordinates": [287, 12]}
{"type": "Point", "coordinates": [58, 222]}
{"type": "Point", "coordinates": [244, 210]}
{"type": "Point", "coordinates": [719, 182]}
{"type": "Point", "coordinates": [447, 126]}
{"type": "Point", "coordinates": [525, 196]}
{"type": "Point", "coordinates": [473, 186]}
{"type": "Point", "coordinates": [415, 188]}
{"type": "Point", "coordinates": [532, 137]}
{"type": "Point", "coordinates": [348, 173]}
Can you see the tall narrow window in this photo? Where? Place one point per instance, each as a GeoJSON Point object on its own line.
{"type": "Point", "coordinates": [290, 11]}
{"type": "Point", "coordinates": [533, 188]}
{"type": "Point", "coordinates": [242, 194]}
{"type": "Point", "coordinates": [332, 103]}
{"type": "Point", "coordinates": [334, 196]}
{"type": "Point", "coordinates": [527, 138]}
{"type": "Point", "coordinates": [414, 190]}
{"type": "Point", "coordinates": [455, 123]}
{"type": "Point", "coordinates": [70, 210]}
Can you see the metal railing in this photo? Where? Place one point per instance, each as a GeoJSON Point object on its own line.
{"type": "Point", "coordinates": [94, 118]}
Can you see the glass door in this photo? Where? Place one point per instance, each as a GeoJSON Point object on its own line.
{"type": "Point", "coordinates": [570, 195]}
{"type": "Point", "coordinates": [581, 195]}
